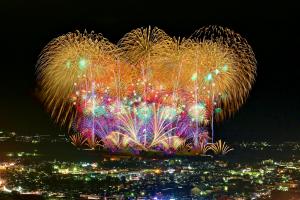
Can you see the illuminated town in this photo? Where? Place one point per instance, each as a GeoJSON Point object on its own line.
{"type": "Point", "coordinates": [267, 171]}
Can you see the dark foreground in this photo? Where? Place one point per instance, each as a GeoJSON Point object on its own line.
{"type": "Point", "coordinates": [48, 170]}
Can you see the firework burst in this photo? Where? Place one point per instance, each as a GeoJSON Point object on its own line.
{"type": "Point", "coordinates": [148, 92]}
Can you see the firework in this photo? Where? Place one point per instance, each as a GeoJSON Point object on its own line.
{"type": "Point", "coordinates": [220, 147]}
{"type": "Point", "coordinates": [65, 62]}
{"type": "Point", "coordinates": [148, 92]}
{"type": "Point", "coordinates": [232, 69]}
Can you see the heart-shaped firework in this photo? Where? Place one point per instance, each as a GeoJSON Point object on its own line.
{"type": "Point", "coordinates": [149, 91]}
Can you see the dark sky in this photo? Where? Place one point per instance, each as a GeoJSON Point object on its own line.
{"type": "Point", "coordinates": [271, 112]}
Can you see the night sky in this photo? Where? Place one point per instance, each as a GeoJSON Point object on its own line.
{"type": "Point", "coordinates": [271, 111]}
